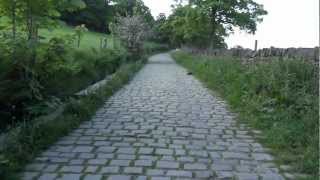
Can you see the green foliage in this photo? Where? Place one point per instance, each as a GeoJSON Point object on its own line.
{"type": "Point", "coordinates": [23, 55]}
{"type": "Point", "coordinates": [207, 23]}
{"type": "Point", "coordinates": [26, 83]}
{"type": "Point", "coordinates": [281, 98]}
{"type": "Point", "coordinates": [90, 40]}
{"type": "Point", "coordinates": [72, 5]}
{"type": "Point", "coordinates": [31, 15]}
{"type": "Point", "coordinates": [133, 7]}
{"type": "Point", "coordinates": [189, 26]}
{"type": "Point", "coordinates": [79, 70]}
{"type": "Point", "coordinates": [98, 14]}
{"type": "Point", "coordinates": [25, 142]}
{"type": "Point", "coordinates": [241, 13]}
{"type": "Point", "coordinates": [140, 9]}
{"type": "Point", "coordinates": [159, 35]}
{"type": "Point", "coordinates": [151, 47]}
{"type": "Point", "coordinates": [59, 71]}
{"type": "Point", "coordinates": [95, 15]}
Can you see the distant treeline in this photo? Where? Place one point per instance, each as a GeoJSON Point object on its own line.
{"type": "Point", "coordinates": [98, 14]}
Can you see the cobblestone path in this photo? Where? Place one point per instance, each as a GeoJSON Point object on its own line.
{"type": "Point", "coordinates": [163, 125]}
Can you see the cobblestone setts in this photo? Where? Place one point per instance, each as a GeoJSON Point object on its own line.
{"type": "Point", "coordinates": [163, 125]}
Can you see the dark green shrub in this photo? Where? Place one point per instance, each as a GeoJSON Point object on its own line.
{"type": "Point", "coordinates": [25, 142]}
{"type": "Point", "coordinates": [150, 47]}
{"type": "Point", "coordinates": [29, 77]}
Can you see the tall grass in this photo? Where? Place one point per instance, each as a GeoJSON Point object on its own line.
{"type": "Point", "coordinates": [279, 97]}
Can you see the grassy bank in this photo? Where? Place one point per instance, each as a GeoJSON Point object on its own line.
{"type": "Point", "coordinates": [89, 41]}
{"type": "Point", "coordinates": [52, 70]}
{"type": "Point", "coordinates": [280, 98]}
{"type": "Point", "coordinates": [25, 142]}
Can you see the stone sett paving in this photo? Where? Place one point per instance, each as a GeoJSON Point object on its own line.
{"type": "Point", "coordinates": [163, 125]}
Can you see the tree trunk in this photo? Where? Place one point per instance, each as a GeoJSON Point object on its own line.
{"type": "Point", "coordinates": [14, 26]}
{"type": "Point", "coordinates": [32, 29]}
{"type": "Point", "coordinates": [14, 29]}
{"type": "Point", "coordinates": [79, 39]}
{"type": "Point", "coordinates": [34, 40]}
{"type": "Point", "coordinates": [131, 5]}
{"type": "Point", "coordinates": [29, 21]}
{"type": "Point", "coordinates": [213, 26]}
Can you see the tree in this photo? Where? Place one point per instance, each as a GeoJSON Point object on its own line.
{"type": "Point", "coordinates": [241, 13]}
{"type": "Point", "coordinates": [96, 15]}
{"type": "Point", "coordinates": [35, 14]}
{"type": "Point", "coordinates": [216, 18]}
{"type": "Point", "coordinates": [159, 34]}
{"type": "Point", "coordinates": [140, 9]}
{"type": "Point", "coordinates": [187, 25]}
{"type": "Point", "coordinates": [9, 8]}
{"type": "Point", "coordinates": [31, 15]}
{"type": "Point", "coordinates": [132, 31]}
{"type": "Point", "coordinates": [133, 7]}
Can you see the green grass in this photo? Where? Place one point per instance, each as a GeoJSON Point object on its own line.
{"type": "Point", "coordinates": [90, 39]}
{"type": "Point", "coordinates": [280, 98]}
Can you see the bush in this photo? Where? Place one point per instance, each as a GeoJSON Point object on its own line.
{"type": "Point", "coordinates": [151, 47]}
{"type": "Point", "coordinates": [81, 69]}
{"type": "Point", "coordinates": [132, 31]}
{"type": "Point", "coordinates": [25, 142]}
{"type": "Point", "coordinates": [30, 76]}
{"type": "Point", "coordinates": [280, 97]}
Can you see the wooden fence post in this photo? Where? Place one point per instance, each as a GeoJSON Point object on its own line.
{"type": "Point", "coordinates": [256, 46]}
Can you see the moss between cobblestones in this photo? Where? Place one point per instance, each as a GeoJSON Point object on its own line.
{"type": "Point", "coordinates": [24, 143]}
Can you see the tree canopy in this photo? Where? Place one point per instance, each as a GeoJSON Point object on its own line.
{"type": "Point", "coordinates": [98, 14]}
{"type": "Point", "coordinates": [34, 14]}
{"type": "Point", "coordinates": [207, 23]}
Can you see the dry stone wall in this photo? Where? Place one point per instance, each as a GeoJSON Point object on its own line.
{"type": "Point", "coordinates": [307, 54]}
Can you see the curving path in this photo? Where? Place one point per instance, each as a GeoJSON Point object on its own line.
{"type": "Point", "coordinates": [163, 125]}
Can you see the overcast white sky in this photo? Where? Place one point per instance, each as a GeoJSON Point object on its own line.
{"type": "Point", "coordinates": [290, 23]}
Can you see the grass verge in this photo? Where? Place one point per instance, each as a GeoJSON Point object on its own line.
{"type": "Point", "coordinates": [89, 41]}
{"type": "Point", "coordinates": [26, 141]}
{"type": "Point", "coordinates": [280, 98]}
